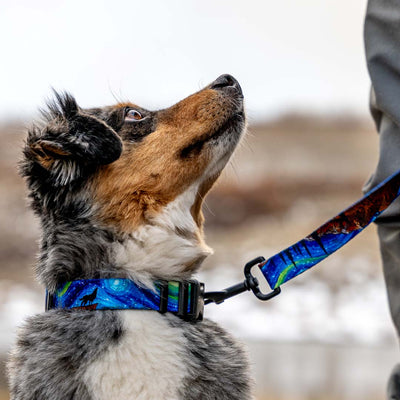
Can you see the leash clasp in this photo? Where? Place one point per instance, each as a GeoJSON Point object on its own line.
{"type": "Point", "coordinates": [253, 281]}
{"type": "Point", "coordinates": [250, 283]}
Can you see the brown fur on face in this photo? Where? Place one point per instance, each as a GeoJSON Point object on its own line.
{"type": "Point", "coordinates": [152, 172]}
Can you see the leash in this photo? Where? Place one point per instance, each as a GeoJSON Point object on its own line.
{"type": "Point", "coordinates": [186, 299]}
{"type": "Point", "coordinates": [317, 246]}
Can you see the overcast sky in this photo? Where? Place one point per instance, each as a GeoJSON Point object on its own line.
{"type": "Point", "coordinates": [287, 54]}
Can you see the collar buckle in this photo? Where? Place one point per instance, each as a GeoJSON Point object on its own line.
{"type": "Point", "coordinates": [49, 301]}
{"type": "Point", "coordinates": [190, 300]}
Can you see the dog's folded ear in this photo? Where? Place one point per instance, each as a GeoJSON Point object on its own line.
{"type": "Point", "coordinates": [72, 137]}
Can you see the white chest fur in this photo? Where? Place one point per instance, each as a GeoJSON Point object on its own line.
{"type": "Point", "coordinates": [157, 248]}
{"type": "Point", "coordinates": [148, 363]}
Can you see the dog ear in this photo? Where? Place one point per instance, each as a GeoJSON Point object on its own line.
{"type": "Point", "coordinates": [72, 138]}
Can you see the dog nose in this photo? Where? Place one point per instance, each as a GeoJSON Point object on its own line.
{"type": "Point", "coordinates": [226, 81]}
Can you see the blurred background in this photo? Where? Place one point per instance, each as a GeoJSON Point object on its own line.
{"type": "Point", "coordinates": [310, 147]}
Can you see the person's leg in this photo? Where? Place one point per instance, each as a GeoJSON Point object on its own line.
{"type": "Point", "coordinates": [393, 388]}
{"type": "Point", "coordinates": [382, 45]}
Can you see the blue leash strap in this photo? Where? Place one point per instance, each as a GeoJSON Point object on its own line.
{"type": "Point", "coordinates": [331, 236]}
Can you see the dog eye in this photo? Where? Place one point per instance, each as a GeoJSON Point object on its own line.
{"type": "Point", "coordinates": [133, 115]}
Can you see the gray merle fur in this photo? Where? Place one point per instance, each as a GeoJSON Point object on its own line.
{"type": "Point", "coordinates": [219, 367]}
{"type": "Point", "coordinates": [53, 350]}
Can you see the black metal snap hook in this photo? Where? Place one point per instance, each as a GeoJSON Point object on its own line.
{"type": "Point", "coordinates": [250, 283]}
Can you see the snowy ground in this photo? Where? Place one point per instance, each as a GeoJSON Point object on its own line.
{"type": "Point", "coordinates": [17, 302]}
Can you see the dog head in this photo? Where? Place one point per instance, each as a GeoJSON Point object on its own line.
{"type": "Point", "coordinates": [132, 172]}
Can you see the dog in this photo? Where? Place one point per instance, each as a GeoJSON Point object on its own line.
{"type": "Point", "coordinates": [119, 191]}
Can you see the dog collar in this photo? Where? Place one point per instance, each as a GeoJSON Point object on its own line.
{"type": "Point", "coordinates": [182, 298]}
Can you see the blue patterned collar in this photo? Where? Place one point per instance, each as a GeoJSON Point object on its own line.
{"type": "Point", "coordinates": [183, 298]}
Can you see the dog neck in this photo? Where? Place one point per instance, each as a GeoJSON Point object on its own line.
{"type": "Point", "coordinates": [168, 246]}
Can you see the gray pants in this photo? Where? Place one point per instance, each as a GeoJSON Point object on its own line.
{"type": "Point", "coordinates": [382, 45]}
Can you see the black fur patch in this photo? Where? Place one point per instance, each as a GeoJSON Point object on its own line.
{"type": "Point", "coordinates": [129, 131]}
{"type": "Point", "coordinates": [69, 145]}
